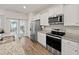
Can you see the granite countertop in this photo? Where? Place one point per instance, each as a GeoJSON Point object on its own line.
{"type": "Point", "coordinates": [44, 31]}
{"type": "Point", "coordinates": [71, 37]}
{"type": "Point", "coordinates": [68, 36]}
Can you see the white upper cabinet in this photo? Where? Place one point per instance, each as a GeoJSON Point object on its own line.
{"type": "Point", "coordinates": [59, 9]}
{"type": "Point", "coordinates": [71, 15]}
{"type": "Point", "coordinates": [51, 12]}
{"type": "Point", "coordinates": [44, 18]}
{"type": "Point", "coordinates": [55, 10]}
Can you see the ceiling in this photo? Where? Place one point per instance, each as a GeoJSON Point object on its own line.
{"type": "Point", "coordinates": [29, 7]}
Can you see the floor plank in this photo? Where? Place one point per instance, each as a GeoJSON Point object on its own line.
{"type": "Point", "coordinates": [34, 48]}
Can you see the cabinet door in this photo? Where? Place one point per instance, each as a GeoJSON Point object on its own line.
{"type": "Point", "coordinates": [68, 48]}
{"type": "Point", "coordinates": [56, 10]}
{"type": "Point", "coordinates": [59, 10]}
{"type": "Point", "coordinates": [44, 18]}
{"type": "Point", "coordinates": [78, 48]}
{"type": "Point", "coordinates": [41, 19]}
{"type": "Point", "coordinates": [39, 37]}
{"type": "Point", "coordinates": [51, 12]}
{"type": "Point", "coordinates": [42, 39]}
{"type": "Point", "coordinates": [71, 15]}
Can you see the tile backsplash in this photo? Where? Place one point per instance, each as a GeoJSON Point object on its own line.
{"type": "Point", "coordinates": [52, 27]}
{"type": "Point", "coordinates": [72, 30]}
{"type": "Point", "coordinates": [68, 29]}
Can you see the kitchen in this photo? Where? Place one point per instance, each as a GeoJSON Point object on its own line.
{"type": "Point", "coordinates": [64, 28]}
{"type": "Point", "coordinates": [54, 27]}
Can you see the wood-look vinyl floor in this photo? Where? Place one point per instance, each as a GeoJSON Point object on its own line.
{"type": "Point", "coordinates": [34, 48]}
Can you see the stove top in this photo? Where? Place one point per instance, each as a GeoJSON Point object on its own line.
{"type": "Point", "coordinates": [53, 35]}
{"type": "Point", "coordinates": [56, 34]}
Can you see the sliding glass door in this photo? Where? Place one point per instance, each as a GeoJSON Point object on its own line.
{"type": "Point", "coordinates": [18, 27]}
{"type": "Point", "coordinates": [13, 26]}
{"type": "Point", "coordinates": [22, 28]}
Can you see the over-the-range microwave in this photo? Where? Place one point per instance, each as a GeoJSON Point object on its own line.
{"type": "Point", "coordinates": [58, 19]}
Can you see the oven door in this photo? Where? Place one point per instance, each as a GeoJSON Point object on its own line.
{"type": "Point", "coordinates": [54, 42]}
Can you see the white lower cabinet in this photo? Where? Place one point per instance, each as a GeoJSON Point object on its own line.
{"type": "Point", "coordinates": [42, 38]}
{"type": "Point", "coordinates": [69, 47]}
{"type": "Point", "coordinates": [78, 49]}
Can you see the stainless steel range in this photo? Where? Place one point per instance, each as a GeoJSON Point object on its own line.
{"type": "Point", "coordinates": [53, 41]}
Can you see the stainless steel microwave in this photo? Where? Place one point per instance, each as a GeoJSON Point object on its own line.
{"type": "Point", "coordinates": [59, 19]}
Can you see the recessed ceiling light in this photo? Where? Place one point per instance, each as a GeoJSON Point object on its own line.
{"type": "Point", "coordinates": [24, 7]}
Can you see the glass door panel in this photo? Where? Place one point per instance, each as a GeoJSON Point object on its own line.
{"type": "Point", "coordinates": [18, 27]}
{"type": "Point", "coordinates": [22, 28]}
{"type": "Point", "coordinates": [13, 26]}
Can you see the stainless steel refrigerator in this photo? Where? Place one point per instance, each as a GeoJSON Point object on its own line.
{"type": "Point", "coordinates": [35, 27]}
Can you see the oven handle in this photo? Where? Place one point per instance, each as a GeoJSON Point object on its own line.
{"type": "Point", "coordinates": [54, 37]}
